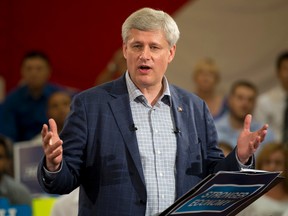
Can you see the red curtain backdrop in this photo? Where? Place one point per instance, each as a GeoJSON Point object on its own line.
{"type": "Point", "coordinates": [80, 37]}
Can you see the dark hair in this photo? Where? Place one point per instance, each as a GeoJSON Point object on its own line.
{"type": "Point", "coordinates": [282, 57]}
{"type": "Point", "coordinates": [243, 83]}
{"type": "Point", "coordinates": [6, 145]}
{"type": "Point", "coordinates": [36, 54]}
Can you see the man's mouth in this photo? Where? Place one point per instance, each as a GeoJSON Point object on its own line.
{"type": "Point", "coordinates": [144, 67]}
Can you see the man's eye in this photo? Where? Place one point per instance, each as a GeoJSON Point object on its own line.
{"type": "Point", "coordinates": [154, 48]}
{"type": "Point", "coordinates": [137, 46]}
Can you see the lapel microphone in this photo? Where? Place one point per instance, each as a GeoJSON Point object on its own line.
{"type": "Point", "coordinates": [176, 130]}
{"type": "Point", "coordinates": [133, 127]}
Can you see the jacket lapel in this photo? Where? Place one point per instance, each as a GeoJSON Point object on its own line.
{"type": "Point", "coordinates": [180, 111]}
{"type": "Point", "coordinates": [120, 107]}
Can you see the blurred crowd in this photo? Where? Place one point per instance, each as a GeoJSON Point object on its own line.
{"type": "Point", "coordinates": [29, 105]}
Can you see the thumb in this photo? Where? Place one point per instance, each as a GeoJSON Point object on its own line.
{"type": "Point", "coordinates": [53, 127]}
{"type": "Point", "coordinates": [247, 122]}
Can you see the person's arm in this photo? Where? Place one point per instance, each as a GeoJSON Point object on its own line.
{"type": "Point", "coordinates": [63, 163]}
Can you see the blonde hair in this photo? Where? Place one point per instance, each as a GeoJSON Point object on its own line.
{"type": "Point", "coordinates": [269, 149]}
{"type": "Point", "coordinates": [206, 64]}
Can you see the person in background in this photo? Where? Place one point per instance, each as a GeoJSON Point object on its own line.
{"type": "Point", "coordinates": [24, 109]}
{"type": "Point", "coordinates": [136, 144]}
{"type": "Point", "coordinates": [241, 101]}
{"type": "Point", "coordinates": [15, 192]}
{"type": "Point", "coordinates": [114, 69]}
{"type": "Point", "coordinates": [272, 157]}
{"type": "Point", "coordinates": [206, 77]}
{"type": "Point", "coordinates": [272, 106]}
{"type": "Point", "coordinates": [58, 107]}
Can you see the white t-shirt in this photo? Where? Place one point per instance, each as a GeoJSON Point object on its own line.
{"type": "Point", "coordinates": [270, 109]}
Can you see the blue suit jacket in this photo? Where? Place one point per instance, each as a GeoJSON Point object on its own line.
{"type": "Point", "coordinates": [101, 151]}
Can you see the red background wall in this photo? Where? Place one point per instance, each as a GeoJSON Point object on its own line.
{"type": "Point", "coordinates": [78, 36]}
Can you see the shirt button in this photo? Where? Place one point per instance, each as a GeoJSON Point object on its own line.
{"type": "Point", "coordinates": [161, 174]}
{"type": "Point", "coordinates": [156, 131]}
{"type": "Point", "coordinates": [162, 196]}
{"type": "Point", "coordinates": [159, 152]}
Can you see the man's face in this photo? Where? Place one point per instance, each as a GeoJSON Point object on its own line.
{"type": "Point", "coordinates": [35, 72]}
{"type": "Point", "coordinates": [242, 102]}
{"type": "Point", "coordinates": [283, 74]}
{"type": "Point", "coordinates": [59, 107]}
{"type": "Point", "coordinates": [148, 55]}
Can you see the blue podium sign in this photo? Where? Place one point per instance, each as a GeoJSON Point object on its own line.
{"type": "Point", "coordinates": [13, 210]}
{"type": "Point", "coordinates": [224, 193]}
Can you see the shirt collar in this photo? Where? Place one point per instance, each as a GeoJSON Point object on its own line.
{"type": "Point", "coordinates": [135, 93]}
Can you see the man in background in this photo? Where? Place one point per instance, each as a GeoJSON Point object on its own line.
{"type": "Point", "coordinates": [24, 109]}
{"type": "Point", "coordinates": [272, 106]}
{"type": "Point", "coordinates": [241, 101]}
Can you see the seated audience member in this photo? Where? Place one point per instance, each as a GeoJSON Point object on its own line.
{"type": "Point", "coordinates": [24, 109]}
{"type": "Point", "coordinates": [272, 157]}
{"type": "Point", "coordinates": [66, 204]}
{"type": "Point", "coordinates": [114, 69]}
{"type": "Point", "coordinates": [225, 147]}
{"type": "Point", "coordinates": [58, 107]}
{"type": "Point", "coordinates": [15, 192]}
{"type": "Point", "coordinates": [206, 77]}
{"type": "Point", "coordinates": [271, 105]}
{"type": "Point", "coordinates": [241, 101]}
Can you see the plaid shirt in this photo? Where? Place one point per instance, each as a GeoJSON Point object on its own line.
{"type": "Point", "coordinates": [157, 146]}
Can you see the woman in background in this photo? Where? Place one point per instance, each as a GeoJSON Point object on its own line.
{"type": "Point", "coordinates": [272, 157]}
{"type": "Point", "coordinates": [206, 77]}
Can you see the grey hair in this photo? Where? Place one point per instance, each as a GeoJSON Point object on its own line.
{"type": "Point", "coordinates": [148, 19]}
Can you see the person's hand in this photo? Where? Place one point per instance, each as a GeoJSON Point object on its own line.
{"type": "Point", "coordinates": [52, 146]}
{"type": "Point", "coordinates": [248, 141]}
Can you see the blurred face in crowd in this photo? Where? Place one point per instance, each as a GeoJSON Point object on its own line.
{"type": "Point", "coordinates": [283, 74]}
{"type": "Point", "coordinates": [206, 80]}
{"type": "Point", "coordinates": [147, 54]}
{"type": "Point", "coordinates": [35, 72]}
{"type": "Point", "coordinates": [59, 107]}
{"type": "Point", "coordinates": [274, 162]}
{"type": "Point", "coordinates": [3, 160]}
{"type": "Point", "coordinates": [242, 102]}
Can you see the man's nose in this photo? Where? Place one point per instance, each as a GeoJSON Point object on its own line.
{"type": "Point", "coordinates": [146, 54]}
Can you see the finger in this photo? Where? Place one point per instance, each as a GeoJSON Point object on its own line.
{"type": "Point", "coordinates": [55, 153]}
{"type": "Point", "coordinates": [263, 129]}
{"type": "Point", "coordinates": [52, 148]}
{"type": "Point", "coordinates": [53, 126]}
{"type": "Point", "coordinates": [256, 142]}
{"type": "Point", "coordinates": [247, 122]}
{"type": "Point", "coordinates": [44, 130]}
{"type": "Point", "coordinates": [46, 139]}
{"type": "Point", "coordinates": [263, 135]}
